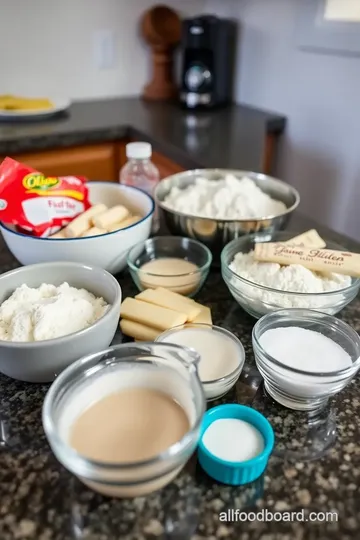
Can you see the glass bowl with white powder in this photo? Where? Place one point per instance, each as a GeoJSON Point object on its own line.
{"type": "Point", "coordinates": [305, 357]}
{"type": "Point", "coordinates": [262, 288]}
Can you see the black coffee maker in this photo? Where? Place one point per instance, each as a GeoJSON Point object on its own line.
{"type": "Point", "coordinates": [208, 51]}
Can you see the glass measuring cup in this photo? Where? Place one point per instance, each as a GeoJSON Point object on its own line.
{"type": "Point", "coordinates": [165, 367]}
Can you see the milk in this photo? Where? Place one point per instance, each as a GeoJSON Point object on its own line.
{"type": "Point", "coordinates": [221, 355]}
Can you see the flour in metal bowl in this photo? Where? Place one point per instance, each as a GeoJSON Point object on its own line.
{"type": "Point", "coordinates": [227, 198]}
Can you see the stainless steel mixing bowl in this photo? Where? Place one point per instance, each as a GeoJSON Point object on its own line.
{"type": "Point", "coordinates": [216, 233]}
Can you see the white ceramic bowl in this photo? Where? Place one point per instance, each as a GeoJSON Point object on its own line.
{"type": "Point", "coordinates": [108, 251]}
{"type": "Point", "coordinates": [42, 361]}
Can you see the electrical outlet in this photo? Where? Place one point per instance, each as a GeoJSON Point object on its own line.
{"type": "Point", "coordinates": [104, 49]}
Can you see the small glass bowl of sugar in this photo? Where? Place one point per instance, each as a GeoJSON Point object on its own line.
{"type": "Point", "coordinates": [305, 356]}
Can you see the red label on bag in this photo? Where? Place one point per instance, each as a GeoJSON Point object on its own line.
{"type": "Point", "coordinates": [39, 204]}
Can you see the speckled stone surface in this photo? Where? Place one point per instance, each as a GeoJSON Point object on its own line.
{"type": "Point", "coordinates": [40, 500]}
{"type": "Point", "coordinates": [232, 137]}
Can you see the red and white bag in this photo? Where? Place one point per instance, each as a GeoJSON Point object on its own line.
{"type": "Point", "coordinates": [37, 204]}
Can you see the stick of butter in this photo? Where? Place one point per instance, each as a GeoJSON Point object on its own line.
{"type": "Point", "coordinates": [171, 300]}
{"type": "Point", "coordinates": [308, 239]}
{"type": "Point", "coordinates": [204, 316]}
{"type": "Point", "coordinates": [138, 331]}
{"type": "Point", "coordinates": [318, 260]}
{"type": "Point", "coordinates": [151, 315]}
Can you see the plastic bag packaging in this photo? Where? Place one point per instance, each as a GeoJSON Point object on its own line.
{"type": "Point", "coordinates": [39, 205]}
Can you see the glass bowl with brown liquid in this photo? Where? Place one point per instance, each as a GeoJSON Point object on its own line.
{"type": "Point", "coordinates": [171, 262]}
{"type": "Point", "coordinates": [126, 420]}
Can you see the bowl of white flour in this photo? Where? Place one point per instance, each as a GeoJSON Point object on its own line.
{"type": "Point", "coordinates": [52, 314]}
{"type": "Point", "coordinates": [261, 288]}
{"type": "Point", "coordinates": [217, 205]}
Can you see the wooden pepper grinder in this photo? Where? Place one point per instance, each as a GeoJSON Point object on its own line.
{"type": "Point", "coordinates": [161, 29]}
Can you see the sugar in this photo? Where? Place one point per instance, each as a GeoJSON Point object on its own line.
{"type": "Point", "coordinates": [232, 439]}
{"type": "Point", "coordinates": [304, 349]}
{"type": "Point", "coordinates": [316, 356]}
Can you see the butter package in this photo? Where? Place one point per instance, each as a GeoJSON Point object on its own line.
{"type": "Point", "coordinates": [39, 205]}
{"type": "Point", "coordinates": [318, 260]}
{"type": "Point", "coordinates": [308, 239]}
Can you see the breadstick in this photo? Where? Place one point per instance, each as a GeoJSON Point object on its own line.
{"type": "Point", "coordinates": [83, 222]}
{"type": "Point", "coordinates": [168, 299]}
{"type": "Point", "coordinates": [113, 215]}
{"type": "Point", "coordinates": [125, 223]}
{"type": "Point", "coordinates": [138, 331]}
{"type": "Point", "coordinates": [94, 231]}
{"type": "Point", "coordinates": [150, 315]}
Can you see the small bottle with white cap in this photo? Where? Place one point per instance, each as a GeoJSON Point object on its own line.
{"type": "Point", "coordinates": [140, 172]}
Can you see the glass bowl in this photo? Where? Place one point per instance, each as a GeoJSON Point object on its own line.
{"type": "Point", "coordinates": [217, 388]}
{"type": "Point", "coordinates": [161, 247]}
{"type": "Point", "coordinates": [295, 388]}
{"type": "Point", "coordinates": [168, 368]}
{"type": "Point", "coordinates": [259, 300]}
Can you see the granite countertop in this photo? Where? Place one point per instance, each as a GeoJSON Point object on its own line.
{"type": "Point", "coordinates": [234, 136]}
{"type": "Point", "coordinates": [40, 500]}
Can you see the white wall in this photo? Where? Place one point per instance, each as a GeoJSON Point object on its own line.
{"type": "Point", "coordinates": [46, 46]}
{"type": "Point", "coordinates": [320, 96]}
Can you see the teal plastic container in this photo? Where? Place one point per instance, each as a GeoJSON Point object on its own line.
{"type": "Point", "coordinates": [233, 472]}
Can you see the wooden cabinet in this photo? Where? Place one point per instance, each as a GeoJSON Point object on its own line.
{"type": "Point", "coordinates": [166, 166]}
{"type": "Point", "coordinates": [269, 154]}
{"type": "Point", "coordinates": [104, 161]}
{"type": "Point", "coordinates": [121, 151]}
{"type": "Point", "coordinates": [95, 162]}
